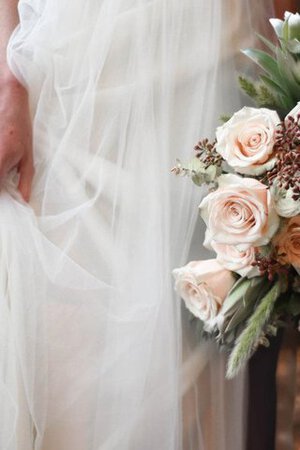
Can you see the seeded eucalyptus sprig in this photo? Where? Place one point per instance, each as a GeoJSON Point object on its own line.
{"type": "Point", "coordinates": [199, 171]}
{"type": "Point", "coordinates": [206, 152]}
{"type": "Point", "coordinates": [205, 167]}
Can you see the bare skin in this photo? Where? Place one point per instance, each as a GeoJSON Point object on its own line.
{"type": "Point", "coordinates": [15, 123]}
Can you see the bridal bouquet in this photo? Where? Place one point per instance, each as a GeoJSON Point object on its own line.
{"type": "Point", "coordinates": [251, 209]}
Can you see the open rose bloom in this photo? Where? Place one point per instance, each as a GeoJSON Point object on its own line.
{"type": "Point", "coordinates": [247, 140]}
{"type": "Point", "coordinates": [287, 243]}
{"type": "Point", "coordinates": [235, 259]}
{"type": "Point", "coordinates": [252, 217]}
{"type": "Point", "coordinates": [196, 284]}
{"type": "Point", "coordinates": [240, 213]}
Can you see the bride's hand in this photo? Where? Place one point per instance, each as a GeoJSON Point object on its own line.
{"type": "Point", "coordinates": [16, 135]}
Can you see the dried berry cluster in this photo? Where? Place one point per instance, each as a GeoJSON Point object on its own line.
{"type": "Point", "coordinates": [269, 265]}
{"type": "Point", "coordinates": [286, 172]}
{"type": "Point", "coordinates": [288, 134]}
{"type": "Point", "coordinates": [206, 152]}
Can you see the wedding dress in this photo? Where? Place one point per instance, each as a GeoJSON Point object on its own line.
{"type": "Point", "coordinates": [90, 329]}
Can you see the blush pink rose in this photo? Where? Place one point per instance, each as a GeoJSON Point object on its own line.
{"type": "Point", "coordinates": [287, 242]}
{"type": "Point", "coordinates": [247, 140]}
{"type": "Point", "coordinates": [238, 261]}
{"type": "Point", "coordinates": [240, 212]}
{"type": "Point", "coordinates": [203, 285]}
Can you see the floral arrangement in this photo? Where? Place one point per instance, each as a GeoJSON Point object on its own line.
{"type": "Point", "coordinates": [251, 209]}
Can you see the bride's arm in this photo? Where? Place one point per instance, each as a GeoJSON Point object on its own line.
{"type": "Point", "coordinates": [15, 123]}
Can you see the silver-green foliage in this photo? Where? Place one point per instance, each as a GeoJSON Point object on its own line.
{"type": "Point", "coordinates": [279, 85]}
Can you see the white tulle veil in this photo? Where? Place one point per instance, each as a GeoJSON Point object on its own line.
{"type": "Point", "coordinates": [90, 328]}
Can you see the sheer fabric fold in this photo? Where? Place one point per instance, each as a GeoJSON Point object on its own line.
{"type": "Point", "coordinates": [90, 329]}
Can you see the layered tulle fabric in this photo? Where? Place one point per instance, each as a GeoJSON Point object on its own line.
{"type": "Point", "coordinates": [90, 330]}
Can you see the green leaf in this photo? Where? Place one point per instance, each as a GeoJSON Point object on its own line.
{"type": "Point", "coordinates": [198, 180]}
{"type": "Point", "coordinates": [196, 165]}
{"type": "Point", "coordinates": [285, 64]}
{"type": "Point", "coordinates": [287, 105]}
{"type": "Point", "coordinates": [271, 84]}
{"type": "Point", "coordinates": [199, 173]}
{"type": "Point", "coordinates": [259, 286]}
{"type": "Point", "coordinates": [242, 312]}
{"type": "Point", "coordinates": [267, 43]}
{"type": "Point", "coordinates": [294, 304]}
{"type": "Point", "coordinates": [284, 100]}
{"type": "Point", "coordinates": [265, 61]}
{"type": "Point", "coordinates": [248, 340]}
{"type": "Point", "coordinates": [296, 71]}
{"type": "Point", "coordinates": [256, 290]}
{"type": "Point", "coordinates": [235, 295]}
{"type": "Point", "coordinates": [211, 172]}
